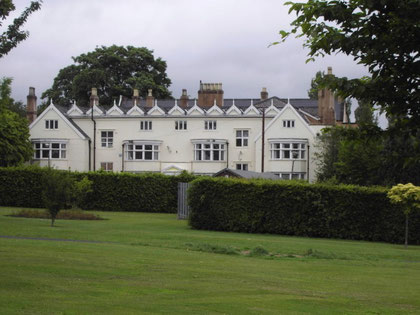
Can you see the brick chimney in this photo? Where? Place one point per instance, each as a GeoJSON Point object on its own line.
{"type": "Point", "coordinates": [149, 99]}
{"type": "Point", "coordinates": [136, 97]}
{"type": "Point", "coordinates": [94, 99]}
{"type": "Point", "coordinates": [183, 101]}
{"type": "Point", "coordinates": [208, 93]}
{"type": "Point", "coordinates": [326, 105]}
{"type": "Point", "coordinates": [264, 94]}
{"type": "Point", "coordinates": [31, 105]}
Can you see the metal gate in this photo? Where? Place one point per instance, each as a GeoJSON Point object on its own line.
{"type": "Point", "coordinates": [183, 209]}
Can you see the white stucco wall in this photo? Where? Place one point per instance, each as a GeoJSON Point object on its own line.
{"type": "Point", "coordinates": [176, 148]}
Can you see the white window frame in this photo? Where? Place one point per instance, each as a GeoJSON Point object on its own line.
{"type": "Point", "coordinates": [51, 124]}
{"type": "Point", "coordinates": [146, 125]}
{"type": "Point", "coordinates": [288, 123]}
{"type": "Point", "coordinates": [210, 124]}
{"type": "Point", "coordinates": [50, 150]}
{"type": "Point", "coordinates": [210, 150]}
{"type": "Point", "coordinates": [242, 166]}
{"type": "Point", "coordinates": [242, 140]}
{"type": "Point", "coordinates": [180, 125]}
{"type": "Point", "coordinates": [142, 151]}
{"type": "Point", "coordinates": [107, 140]}
{"type": "Point", "coordinates": [107, 166]}
{"type": "Point", "coordinates": [288, 150]}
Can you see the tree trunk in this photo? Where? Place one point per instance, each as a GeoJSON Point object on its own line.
{"type": "Point", "coordinates": [406, 231]}
{"type": "Point", "coordinates": [52, 221]}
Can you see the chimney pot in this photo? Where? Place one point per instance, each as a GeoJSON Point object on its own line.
{"type": "Point", "coordinates": [329, 70]}
{"type": "Point", "coordinates": [136, 93]}
{"type": "Point", "coordinates": [149, 92]}
{"type": "Point", "coordinates": [94, 92]}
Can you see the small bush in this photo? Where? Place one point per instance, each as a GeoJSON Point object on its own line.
{"type": "Point", "coordinates": [208, 248]}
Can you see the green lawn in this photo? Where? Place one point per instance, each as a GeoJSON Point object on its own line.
{"type": "Point", "coordinates": [153, 263]}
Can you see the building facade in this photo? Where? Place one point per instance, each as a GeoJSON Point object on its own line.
{"type": "Point", "coordinates": [202, 136]}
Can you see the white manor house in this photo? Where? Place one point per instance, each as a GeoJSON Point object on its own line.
{"type": "Point", "coordinates": [202, 136]}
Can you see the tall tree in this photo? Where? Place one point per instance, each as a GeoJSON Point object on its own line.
{"type": "Point", "coordinates": [14, 34]}
{"type": "Point", "coordinates": [15, 147]}
{"type": "Point", "coordinates": [364, 114]}
{"type": "Point", "coordinates": [382, 35]}
{"type": "Point", "coordinates": [316, 85]}
{"type": "Point", "coordinates": [114, 71]}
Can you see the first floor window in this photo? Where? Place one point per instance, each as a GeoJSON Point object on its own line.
{"type": "Point", "coordinates": [289, 176]}
{"type": "Point", "coordinates": [142, 152]}
{"type": "Point", "coordinates": [146, 125]}
{"type": "Point", "coordinates": [288, 151]}
{"type": "Point", "coordinates": [180, 125]}
{"type": "Point", "coordinates": [242, 166]}
{"type": "Point", "coordinates": [51, 124]}
{"type": "Point", "coordinates": [49, 150]}
{"type": "Point", "coordinates": [242, 138]}
{"type": "Point", "coordinates": [209, 151]}
{"type": "Point", "coordinates": [107, 139]}
{"type": "Point", "coordinates": [210, 124]}
{"type": "Point", "coordinates": [107, 166]}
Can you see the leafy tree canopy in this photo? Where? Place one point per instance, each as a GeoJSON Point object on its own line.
{"type": "Point", "coordinates": [114, 71]}
{"type": "Point", "coordinates": [382, 35]}
{"type": "Point", "coordinates": [15, 147]}
{"type": "Point", "coordinates": [316, 85]}
{"type": "Point", "coordinates": [14, 34]}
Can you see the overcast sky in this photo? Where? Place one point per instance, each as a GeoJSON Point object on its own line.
{"type": "Point", "coordinates": [210, 40]}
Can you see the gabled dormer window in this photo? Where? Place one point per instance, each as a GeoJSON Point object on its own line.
{"type": "Point", "coordinates": [51, 124]}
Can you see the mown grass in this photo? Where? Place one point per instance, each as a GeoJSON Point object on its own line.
{"type": "Point", "coordinates": [153, 263]}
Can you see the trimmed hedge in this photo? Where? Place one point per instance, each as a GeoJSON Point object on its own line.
{"type": "Point", "coordinates": [296, 208]}
{"type": "Point", "coordinates": [150, 192]}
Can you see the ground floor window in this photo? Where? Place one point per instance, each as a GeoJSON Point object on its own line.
{"type": "Point", "coordinates": [107, 166]}
{"type": "Point", "coordinates": [49, 150]}
{"type": "Point", "coordinates": [141, 152]}
{"type": "Point", "coordinates": [242, 166]}
{"type": "Point", "coordinates": [289, 176]}
{"type": "Point", "coordinates": [209, 151]}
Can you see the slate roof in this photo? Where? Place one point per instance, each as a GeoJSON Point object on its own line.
{"type": "Point", "coordinates": [247, 174]}
{"type": "Point", "coordinates": [309, 106]}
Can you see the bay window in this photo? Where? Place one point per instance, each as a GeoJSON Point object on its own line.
{"type": "Point", "coordinates": [209, 150]}
{"type": "Point", "coordinates": [54, 149]}
{"type": "Point", "coordinates": [142, 150]}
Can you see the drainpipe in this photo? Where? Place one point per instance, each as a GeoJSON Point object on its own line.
{"type": "Point", "coordinates": [263, 139]}
{"type": "Point", "coordinates": [94, 138]}
{"type": "Point", "coordinates": [227, 154]}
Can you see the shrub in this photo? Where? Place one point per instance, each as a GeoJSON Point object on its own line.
{"type": "Point", "coordinates": [296, 208]}
{"type": "Point", "coordinates": [150, 192]}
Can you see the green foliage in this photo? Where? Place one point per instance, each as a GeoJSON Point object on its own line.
{"type": "Point", "coordinates": [14, 35]}
{"type": "Point", "coordinates": [381, 35]}
{"type": "Point", "coordinates": [114, 71]}
{"type": "Point", "coordinates": [364, 114]}
{"type": "Point", "coordinates": [15, 147]}
{"type": "Point", "coordinates": [57, 191]}
{"type": "Point", "coordinates": [316, 85]}
{"type": "Point", "coordinates": [366, 156]}
{"type": "Point", "coordinates": [291, 208]}
{"type": "Point", "coordinates": [22, 187]}
{"type": "Point", "coordinates": [408, 196]}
